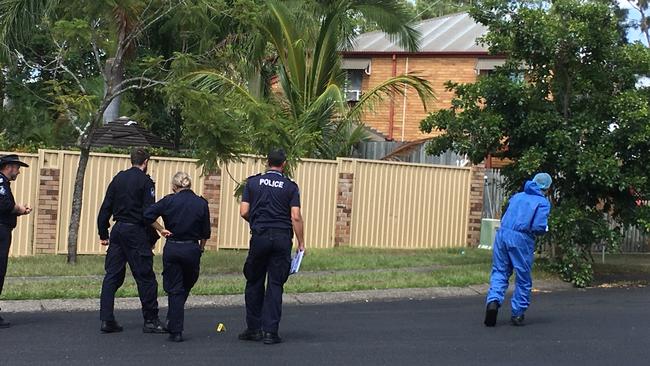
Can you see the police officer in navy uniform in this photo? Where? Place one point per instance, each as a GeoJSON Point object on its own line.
{"type": "Point", "coordinates": [127, 196]}
{"type": "Point", "coordinates": [9, 211]}
{"type": "Point", "coordinates": [187, 228]}
{"type": "Point", "coordinates": [271, 205]}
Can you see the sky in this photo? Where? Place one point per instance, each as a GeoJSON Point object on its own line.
{"type": "Point", "coordinates": [633, 14]}
{"type": "Point", "coordinates": [633, 34]}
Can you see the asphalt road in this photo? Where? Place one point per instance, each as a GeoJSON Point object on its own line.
{"type": "Point", "coordinates": [592, 327]}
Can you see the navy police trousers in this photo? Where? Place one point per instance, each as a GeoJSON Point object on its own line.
{"type": "Point", "coordinates": [5, 244]}
{"type": "Point", "coordinates": [128, 244]}
{"type": "Point", "coordinates": [269, 254]}
{"type": "Point", "coordinates": [181, 266]}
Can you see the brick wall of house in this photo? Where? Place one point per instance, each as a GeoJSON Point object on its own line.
{"type": "Point", "coordinates": [437, 70]}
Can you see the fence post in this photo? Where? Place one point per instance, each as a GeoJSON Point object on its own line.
{"type": "Point", "coordinates": [477, 183]}
{"type": "Point", "coordinates": [47, 213]}
{"type": "Point", "coordinates": [212, 193]}
{"type": "Point", "coordinates": [344, 195]}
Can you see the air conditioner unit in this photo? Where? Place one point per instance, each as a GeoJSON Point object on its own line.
{"type": "Point", "coordinates": [352, 95]}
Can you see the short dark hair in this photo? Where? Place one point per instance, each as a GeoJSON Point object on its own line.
{"type": "Point", "coordinates": [139, 155]}
{"type": "Point", "coordinates": [276, 157]}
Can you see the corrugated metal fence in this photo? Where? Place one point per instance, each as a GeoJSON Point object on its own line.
{"type": "Point", "coordinates": [396, 205]}
{"type": "Point", "coordinates": [417, 206]}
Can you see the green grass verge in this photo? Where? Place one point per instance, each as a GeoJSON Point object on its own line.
{"type": "Point", "coordinates": [460, 276]}
{"type": "Point", "coordinates": [231, 261]}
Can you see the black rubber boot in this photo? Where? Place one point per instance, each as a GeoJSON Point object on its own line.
{"type": "Point", "coordinates": [491, 312]}
{"type": "Point", "coordinates": [517, 321]}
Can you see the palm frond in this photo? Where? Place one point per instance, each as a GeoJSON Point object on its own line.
{"type": "Point", "coordinates": [18, 20]}
{"type": "Point", "coordinates": [391, 87]}
{"type": "Point", "coordinates": [392, 17]}
{"type": "Point", "coordinates": [283, 35]}
{"type": "Point", "coordinates": [216, 83]}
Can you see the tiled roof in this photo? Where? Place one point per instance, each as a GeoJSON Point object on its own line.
{"type": "Point", "coordinates": [121, 133]}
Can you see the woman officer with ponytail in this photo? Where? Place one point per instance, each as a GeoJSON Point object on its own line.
{"type": "Point", "coordinates": [187, 228]}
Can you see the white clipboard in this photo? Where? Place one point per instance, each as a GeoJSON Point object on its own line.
{"type": "Point", "coordinates": [295, 262]}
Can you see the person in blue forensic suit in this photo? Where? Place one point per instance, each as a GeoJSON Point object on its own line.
{"type": "Point", "coordinates": [271, 205]}
{"type": "Point", "coordinates": [9, 212]}
{"type": "Point", "coordinates": [514, 248]}
{"type": "Point", "coordinates": [187, 228]}
{"type": "Point", "coordinates": [128, 194]}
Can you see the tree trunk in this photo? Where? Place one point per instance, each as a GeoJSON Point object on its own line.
{"type": "Point", "coordinates": [5, 102]}
{"type": "Point", "coordinates": [77, 200]}
{"type": "Point", "coordinates": [114, 77]}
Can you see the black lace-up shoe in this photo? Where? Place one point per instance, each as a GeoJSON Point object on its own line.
{"type": "Point", "coordinates": [110, 327]}
{"type": "Point", "coordinates": [153, 326]}
{"type": "Point", "coordinates": [271, 338]}
{"type": "Point", "coordinates": [251, 335]}
{"type": "Point", "coordinates": [175, 337]}
{"type": "Point", "coordinates": [4, 323]}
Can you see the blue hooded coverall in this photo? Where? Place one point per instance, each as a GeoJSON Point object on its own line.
{"type": "Point", "coordinates": [514, 246]}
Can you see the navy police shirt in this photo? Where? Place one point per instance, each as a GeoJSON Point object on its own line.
{"type": "Point", "coordinates": [128, 194]}
{"type": "Point", "coordinates": [7, 203]}
{"type": "Point", "coordinates": [271, 196]}
{"type": "Point", "coordinates": [185, 214]}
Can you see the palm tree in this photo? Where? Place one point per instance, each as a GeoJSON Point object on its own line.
{"type": "Point", "coordinates": [311, 104]}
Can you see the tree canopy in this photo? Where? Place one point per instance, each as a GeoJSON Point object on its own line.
{"type": "Point", "coordinates": [567, 103]}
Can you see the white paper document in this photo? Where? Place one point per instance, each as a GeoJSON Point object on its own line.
{"type": "Point", "coordinates": [295, 262]}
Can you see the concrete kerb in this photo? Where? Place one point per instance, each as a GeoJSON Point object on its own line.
{"type": "Point", "coordinates": [71, 305]}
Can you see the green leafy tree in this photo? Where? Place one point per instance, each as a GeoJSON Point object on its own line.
{"type": "Point", "coordinates": [307, 113]}
{"type": "Point", "coordinates": [566, 102]}
{"type": "Point", "coordinates": [85, 68]}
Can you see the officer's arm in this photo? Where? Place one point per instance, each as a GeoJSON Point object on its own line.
{"type": "Point", "coordinates": [149, 197]}
{"type": "Point", "coordinates": [7, 205]}
{"type": "Point", "coordinates": [105, 213]}
{"type": "Point", "coordinates": [245, 206]}
{"type": "Point", "coordinates": [244, 210]}
{"type": "Point", "coordinates": [206, 229]}
{"type": "Point", "coordinates": [298, 227]}
{"type": "Point", "coordinates": [153, 212]}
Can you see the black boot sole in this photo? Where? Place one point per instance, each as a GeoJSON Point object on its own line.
{"type": "Point", "coordinates": [272, 341]}
{"type": "Point", "coordinates": [110, 330]}
{"type": "Point", "coordinates": [250, 339]}
{"type": "Point", "coordinates": [154, 331]}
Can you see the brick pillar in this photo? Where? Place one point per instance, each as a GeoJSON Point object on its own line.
{"type": "Point", "coordinates": [47, 214]}
{"type": "Point", "coordinates": [212, 193]}
{"type": "Point", "coordinates": [344, 209]}
{"type": "Point", "coordinates": [475, 205]}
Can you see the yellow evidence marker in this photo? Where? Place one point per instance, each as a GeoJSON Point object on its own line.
{"type": "Point", "coordinates": [221, 328]}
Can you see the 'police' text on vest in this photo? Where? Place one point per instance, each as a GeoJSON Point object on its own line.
{"type": "Point", "coordinates": [272, 183]}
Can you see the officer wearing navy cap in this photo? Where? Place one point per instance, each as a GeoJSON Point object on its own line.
{"type": "Point", "coordinates": [127, 196]}
{"type": "Point", "coordinates": [9, 211]}
{"type": "Point", "coordinates": [271, 205]}
{"type": "Point", "coordinates": [187, 228]}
